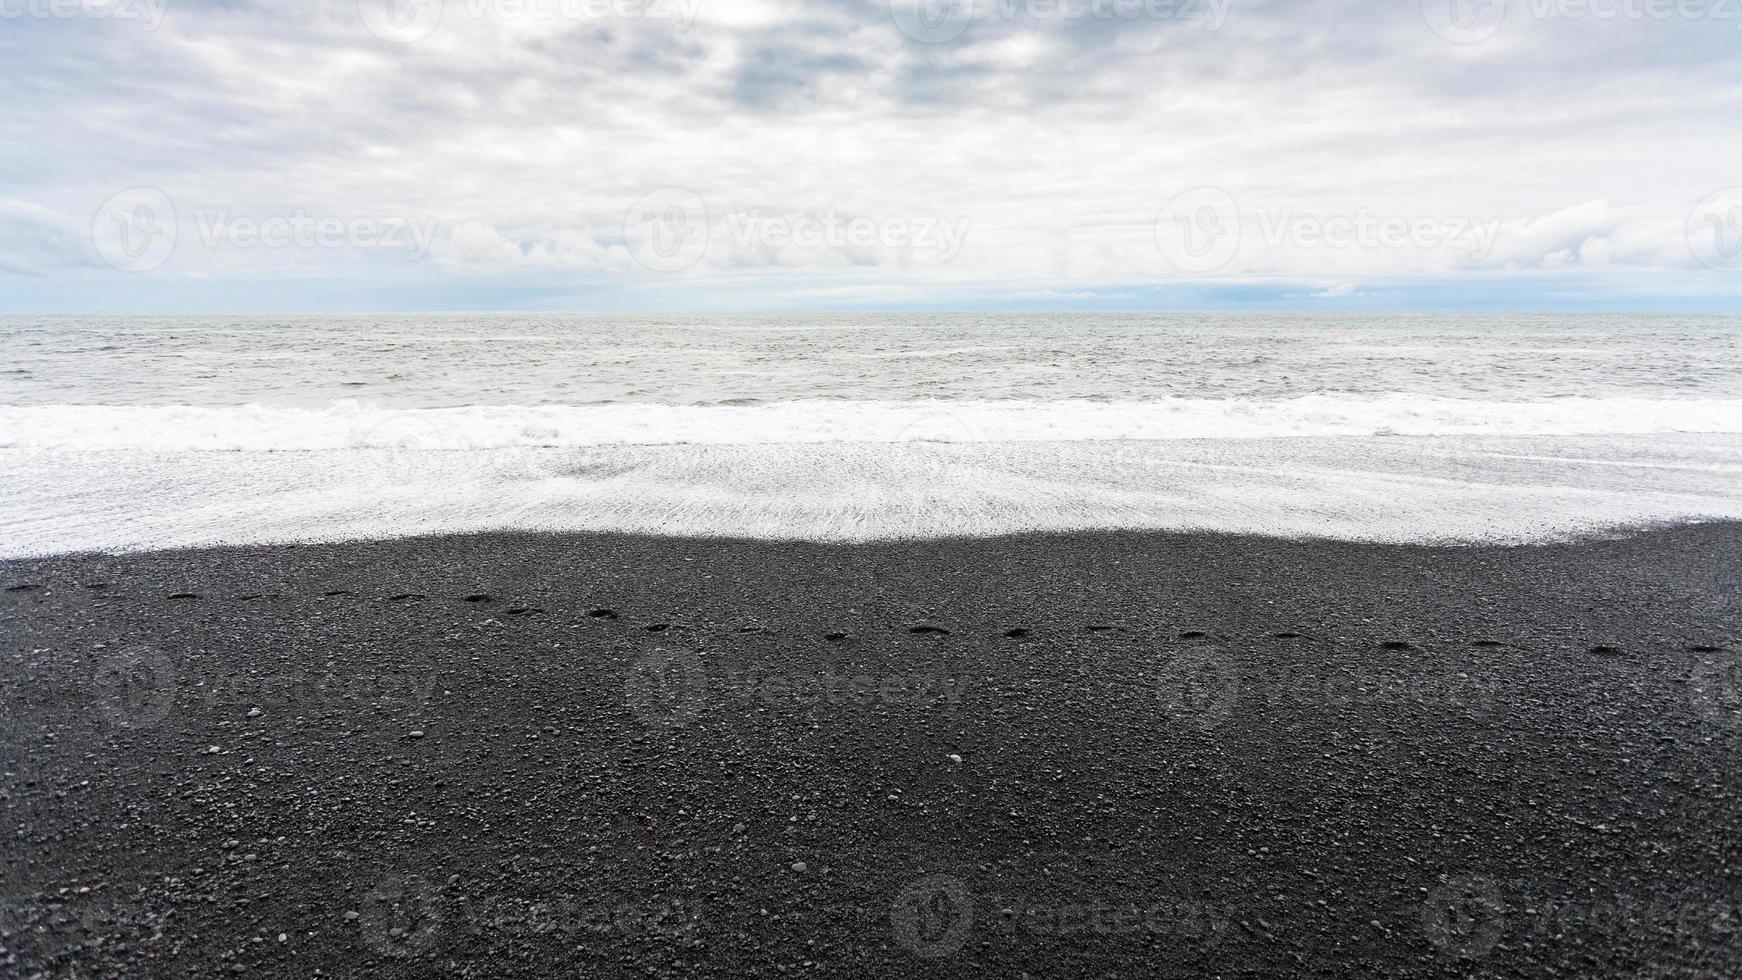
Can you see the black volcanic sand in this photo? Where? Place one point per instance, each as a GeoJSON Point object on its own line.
{"type": "Point", "coordinates": [1178, 754]}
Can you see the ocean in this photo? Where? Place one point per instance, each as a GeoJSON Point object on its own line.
{"type": "Point", "coordinates": [122, 433]}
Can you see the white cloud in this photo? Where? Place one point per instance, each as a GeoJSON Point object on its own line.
{"type": "Point", "coordinates": [1056, 141]}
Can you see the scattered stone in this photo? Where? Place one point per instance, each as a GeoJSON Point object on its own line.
{"type": "Point", "coordinates": [417, 734]}
{"type": "Point", "coordinates": [955, 758]}
{"type": "Point", "coordinates": [255, 712]}
{"type": "Point", "coordinates": [799, 866]}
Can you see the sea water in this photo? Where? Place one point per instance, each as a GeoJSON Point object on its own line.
{"type": "Point", "coordinates": [120, 433]}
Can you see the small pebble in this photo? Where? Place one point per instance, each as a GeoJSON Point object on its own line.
{"type": "Point", "coordinates": [350, 917]}
{"type": "Point", "coordinates": [416, 734]}
{"type": "Point", "coordinates": [798, 865]}
{"type": "Point", "coordinates": [254, 712]}
{"type": "Point", "coordinates": [955, 758]}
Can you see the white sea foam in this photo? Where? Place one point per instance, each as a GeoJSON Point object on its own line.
{"type": "Point", "coordinates": [355, 425]}
{"type": "Point", "coordinates": [1448, 488]}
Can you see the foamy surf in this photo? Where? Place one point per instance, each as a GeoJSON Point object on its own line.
{"type": "Point", "coordinates": [1445, 489]}
{"type": "Point", "coordinates": [358, 425]}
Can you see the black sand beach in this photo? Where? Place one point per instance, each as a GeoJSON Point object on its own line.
{"type": "Point", "coordinates": [1092, 754]}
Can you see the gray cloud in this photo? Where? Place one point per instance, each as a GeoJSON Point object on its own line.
{"type": "Point", "coordinates": [1059, 138]}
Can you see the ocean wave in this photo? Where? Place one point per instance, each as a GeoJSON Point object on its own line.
{"type": "Point", "coordinates": [359, 425]}
{"type": "Point", "coordinates": [1448, 490]}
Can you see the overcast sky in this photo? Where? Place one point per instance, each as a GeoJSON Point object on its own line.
{"type": "Point", "coordinates": [749, 154]}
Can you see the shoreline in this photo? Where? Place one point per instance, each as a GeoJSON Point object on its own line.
{"type": "Point", "coordinates": [1399, 489]}
{"type": "Point", "coordinates": [1203, 753]}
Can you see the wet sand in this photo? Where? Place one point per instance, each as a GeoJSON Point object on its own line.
{"type": "Point", "coordinates": [1096, 754]}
